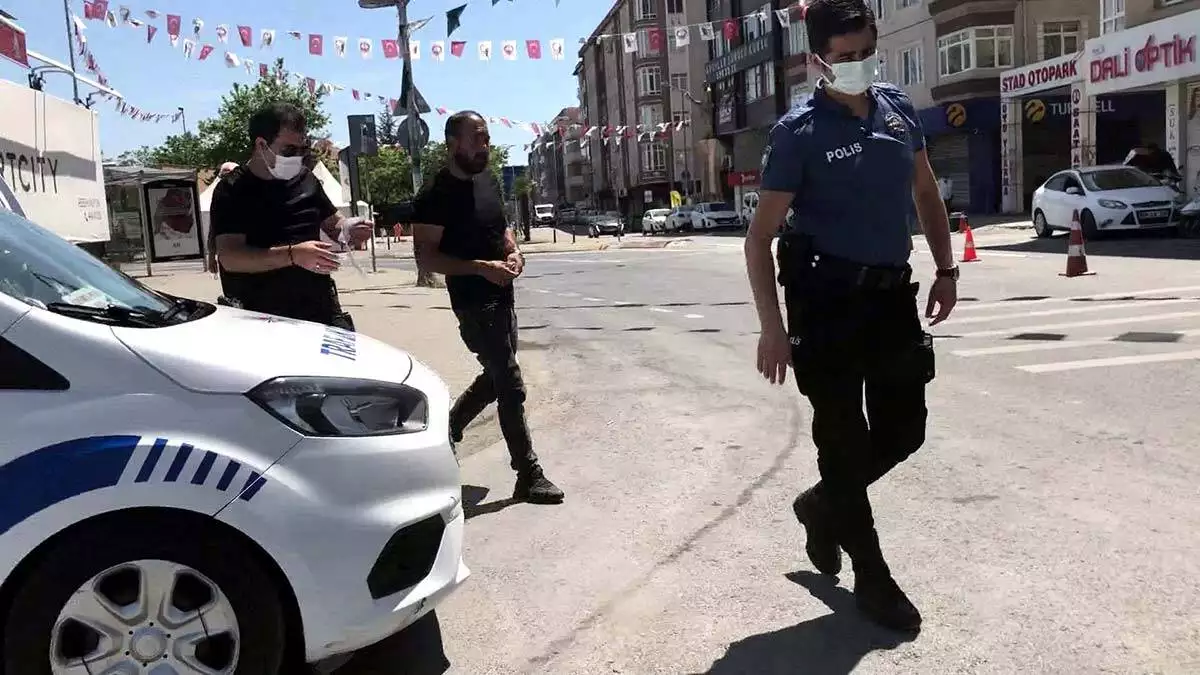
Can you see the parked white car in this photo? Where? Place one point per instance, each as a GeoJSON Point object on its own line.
{"type": "Point", "coordinates": [190, 488]}
{"type": "Point", "coordinates": [656, 220]}
{"type": "Point", "coordinates": [681, 218]}
{"type": "Point", "coordinates": [715, 215]}
{"type": "Point", "coordinates": [1107, 198]}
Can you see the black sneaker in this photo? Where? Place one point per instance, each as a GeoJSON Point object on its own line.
{"type": "Point", "coordinates": [535, 488]}
{"type": "Point", "coordinates": [880, 598]}
{"type": "Point", "coordinates": [820, 541]}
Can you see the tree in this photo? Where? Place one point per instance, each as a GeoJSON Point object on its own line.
{"type": "Point", "coordinates": [387, 127]}
{"type": "Point", "coordinates": [143, 156]}
{"type": "Point", "coordinates": [184, 150]}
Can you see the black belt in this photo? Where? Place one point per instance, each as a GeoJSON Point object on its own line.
{"type": "Point", "coordinates": [840, 271]}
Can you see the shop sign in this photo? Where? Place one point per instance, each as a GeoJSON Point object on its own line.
{"type": "Point", "coordinates": [1048, 74]}
{"type": "Point", "coordinates": [738, 59]}
{"type": "Point", "coordinates": [1148, 54]}
{"type": "Point", "coordinates": [1076, 128]}
{"type": "Point", "coordinates": [736, 178]}
{"type": "Point", "coordinates": [1005, 163]}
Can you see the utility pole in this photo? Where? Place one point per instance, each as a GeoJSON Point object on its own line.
{"type": "Point", "coordinates": [71, 48]}
{"type": "Point", "coordinates": [183, 118]}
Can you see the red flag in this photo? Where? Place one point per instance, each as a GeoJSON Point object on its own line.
{"type": "Point", "coordinates": [205, 51]}
{"type": "Point", "coordinates": [263, 71]}
{"type": "Point", "coordinates": [656, 40]}
{"type": "Point", "coordinates": [457, 47]}
{"type": "Point", "coordinates": [391, 103]}
{"type": "Point", "coordinates": [312, 85]}
{"type": "Point", "coordinates": [440, 110]}
{"type": "Point", "coordinates": [89, 12]}
{"type": "Point", "coordinates": [247, 35]}
{"type": "Point", "coordinates": [730, 30]}
{"type": "Point", "coordinates": [505, 121]}
{"type": "Point", "coordinates": [354, 93]}
{"type": "Point", "coordinates": [391, 49]}
{"type": "Point", "coordinates": [173, 23]}
{"type": "Point", "coordinates": [151, 29]}
{"type": "Point", "coordinates": [99, 9]}
{"type": "Point", "coordinates": [316, 45]}
{"type": "Point", "coordinates": [533, 48]}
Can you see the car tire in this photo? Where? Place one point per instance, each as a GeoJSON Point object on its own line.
{"type": "Point", "coordinates": [187, 545]}
{"type": "Point", "coordinates": [1087, 222]}
{"type": "Point", "coordinates": [1040, 227]}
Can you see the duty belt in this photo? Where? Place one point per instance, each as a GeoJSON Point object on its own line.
{"type": "Point", "coordinates": [840, 271]}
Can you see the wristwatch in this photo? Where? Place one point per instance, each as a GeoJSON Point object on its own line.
{"type": "Point", "coordinates": [948, 273]}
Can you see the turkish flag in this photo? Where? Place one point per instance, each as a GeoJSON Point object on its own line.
{"type": "Point", "coordinates": [12, 44]}
{"type": "Point", "coordinates": [247, 35]}
{"type": "Point", "coordinates": [174, 21]}
{"type": "Point", "coordinates": [533, 48]}
{"type": "Point", "coordinates": [391, 49]}
{"type": "Point", "coordinates": [263, 71]}
{"type": "Point", "coordinates": [316, 45]}
{"type": "Point", "coordinates": [205, 51]}
{"type": "Point", "coordinates": [312, 85]}
{"type": "Point", "coordinates": [730, 29]}
{"type": "Point", "coordinates": [457, 47]}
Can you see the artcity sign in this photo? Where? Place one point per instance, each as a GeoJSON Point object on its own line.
{"type": "Point", "coordinates": [1147, 54]}
{"type": "Point", "coordinates": [1049, 74]}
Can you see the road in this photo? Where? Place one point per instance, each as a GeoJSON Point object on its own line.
{"type": "Point", "coordinates": [1048, 525]}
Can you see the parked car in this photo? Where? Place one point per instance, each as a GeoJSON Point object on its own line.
{"type": "Point", "coordinates": [606, 223]}
{"type": "Point", "coordinates": [1107, 198]}
{"type": "Point", "coordinates": [680, 219]}
{"type": "Point", "coordinates": [715, 215]}
{"type": "Point", "coordinates": [656, 220]}
{"type": "Point", "coordinates": [203, 487]}
{"type": "Point", "coordinates": [543, 215]}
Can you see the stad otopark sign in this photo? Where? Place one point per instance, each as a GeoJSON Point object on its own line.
{"type": "Point", "coordinates": [1049, 74]}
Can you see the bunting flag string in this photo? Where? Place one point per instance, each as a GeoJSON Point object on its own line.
{"type": "Point", "coordinates": [93, 66]}
{"type": "Point", "coordinates": [565, 133]}
{"type": "Point", "coordinates": [655, 39]}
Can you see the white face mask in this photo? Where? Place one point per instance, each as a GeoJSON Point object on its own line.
{"type": "Point", "coordinates": [854, 77]}
{"type": "Point", "coordinates": [286, 168]}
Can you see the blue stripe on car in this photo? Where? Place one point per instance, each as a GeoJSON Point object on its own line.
{"type": "Point", "coordinates": [226, 478]}
{"type": "Point", "coordinates": [151, 461]}
{"type": "Point", "coordinates": [181, 458]}
{"type": "Point", "coordinates": [58, 472]}
{"type": "Point", "coordinates": [206, 464]}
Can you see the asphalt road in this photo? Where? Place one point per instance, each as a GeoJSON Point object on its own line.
{"type": "Point", "coordinates": [1048, 525]}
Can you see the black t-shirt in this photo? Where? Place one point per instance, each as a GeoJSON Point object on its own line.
{"type": "Point", "coordinates": [472, 217]}
{"type": "Point", "coordinates": [275, 213]}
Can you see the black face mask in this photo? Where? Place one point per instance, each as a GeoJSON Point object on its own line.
{"type": "Point", "coordinates": [471, 164]}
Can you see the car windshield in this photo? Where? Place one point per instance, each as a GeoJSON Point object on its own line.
{"type": "Point", "coordinates": [658, 213]}
{"type": "Point", "coordinates": [717, 206]}
{"type": "Point", "coordinates": [543, 210]}
{"type": "Point", "coordinates": [44, 270]}
{"type": "Point", "coordinates": [1117, 179]}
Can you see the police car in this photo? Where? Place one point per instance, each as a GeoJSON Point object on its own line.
{"type": "Point", "coordinates": [186, 488]}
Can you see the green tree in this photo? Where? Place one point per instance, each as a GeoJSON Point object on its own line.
{"type": "Point", "coordinates": [387, 127]}
{"type": "Point", "coordinates": [388, 176]}
{"type": "Point", "coordinates": [183, 150]}
{"type": "Point", "coordinates": [224, 137]}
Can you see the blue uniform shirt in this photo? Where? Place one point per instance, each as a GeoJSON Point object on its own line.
{"type": "Point", "coordinates": [851, 177]}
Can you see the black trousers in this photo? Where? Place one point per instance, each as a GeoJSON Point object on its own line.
{"type": "Point", "coordinates": [490, 332]}
{"type": "Point", "coordinates": [852, 347]}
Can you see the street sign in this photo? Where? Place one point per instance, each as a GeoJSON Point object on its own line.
{"type": "Point", "coordinates": [402, 134]}
{"type": "Point", "coordinates": [348, 170]}
{"type": "Point", "coordinates": [362, 135]}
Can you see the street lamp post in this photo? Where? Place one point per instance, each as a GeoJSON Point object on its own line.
{"type": "Point", "coordinates": [71, 48]}
{"type": "Point", "coordinates": [183, 118]}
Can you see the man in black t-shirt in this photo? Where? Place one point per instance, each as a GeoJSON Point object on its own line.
{"type": "Point", "coordinates": [460, 231]}
{"type": "Point", "coordinates": [267, 218]}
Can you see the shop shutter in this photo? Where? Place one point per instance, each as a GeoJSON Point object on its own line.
{"type": "Point", "coordinates": [949, 155]}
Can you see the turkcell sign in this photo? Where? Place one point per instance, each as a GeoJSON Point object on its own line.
{"type": "Point", "coordinates": [1143, 55]}
{"type": "Point", "coordinates": [1049, 74]}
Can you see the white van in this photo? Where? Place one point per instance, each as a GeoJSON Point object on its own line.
{"type": "Point", "coordinates": [212, 489]}
{"type": "Point", "coordinates": [543, 214]}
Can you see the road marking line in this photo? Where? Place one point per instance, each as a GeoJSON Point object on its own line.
{"type": "Point", "coordinates": [693, 316]}
{"type": "Point", "coordinates": [1074, 298]}
{"type": "Point", "coordinates": [623, 302]}
{"type": "Point", "coordinates": [569, 295]}
{"type": "Point", "coordinates": [663, 310]}
{"type": "Point", "coordinates": [1068, 310]}
{"type": "Point", "coordinates": [541, 290]}
{"type": "Point", "coordinates": [1040, 346]}
{"type": "Point", "coordinates": [594, 299]}
{"type": "Point", "coordinates": [1113, 361]}
{"type": "Point", "coordinates": [1077, 324]}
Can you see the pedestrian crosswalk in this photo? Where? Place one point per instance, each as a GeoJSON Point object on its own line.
{"type": "Point", "coordinates": [1103, 330]}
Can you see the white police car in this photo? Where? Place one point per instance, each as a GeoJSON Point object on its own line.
{"type": "Point", "coordinates": [187, 488]}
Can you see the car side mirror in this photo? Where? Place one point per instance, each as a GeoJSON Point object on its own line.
{"type": "Point", "coordinates": [1075, 191]}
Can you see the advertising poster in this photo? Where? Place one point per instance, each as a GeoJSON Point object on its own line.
{"type": "Point", "coordinates": [174, 220]}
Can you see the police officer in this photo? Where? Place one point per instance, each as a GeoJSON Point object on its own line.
{"type": "Point", "coordinates": [850, 161]}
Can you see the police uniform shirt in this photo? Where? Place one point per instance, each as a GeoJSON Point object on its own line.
{"type": "Point", "coordinates": [275, 213]}
{"type": "Point", "coordinates": [471, 215]}
{"type": "Point", "coordinates": [851, 177]}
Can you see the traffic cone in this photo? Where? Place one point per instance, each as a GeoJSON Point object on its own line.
{"type": "Point", "coordinates": [969, 254]}
{"type": "Point", "coordinates": [1076, 258]}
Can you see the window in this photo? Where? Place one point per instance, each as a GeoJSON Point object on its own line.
{"type": "Point", "coordinates": [679, 81]}
{"type": "Point", "coordinates": [901, 4]}
{"type": "Point", "coordinates": [882, 74]}
{"type": "Point", "coordinates": [1059, 38]}
{"type": "Point", "coordinates": [983, 47]}
{"type": "Point", "coordinates": [649, 80]}
{"type": "Point", "coordinates": [767, 17]}
{"type": "Point", "coordinates": [911, 66]}
{"type": "Point", "coordinates": [650, 115]}
{"type": "Point", "coordinates": [880, 7]}
{"type": "Point", "coordinates": [768, 78]}
{"type": "Point", "coordinates": [654, 157]}
{"type": "Point", "coordinates": [797, 42]}
{"type": "Point", "coordinates": [753, 85]}
{"type": "Point", "coordinates": [675, 6]}
{"type": "Point", "coordinates": [681, 116]}
{"type": "Point", "coordinates": [1112, 16]}
{"type": "Point", "coordinates": [643, 40]}
{"type": "Point", "coordinates": [645, 9]}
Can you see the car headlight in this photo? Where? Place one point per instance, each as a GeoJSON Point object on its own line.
{"type": "Point", "coordinates": [1111, 204]}
{"type": "Point", "coordinates": [325, 406]}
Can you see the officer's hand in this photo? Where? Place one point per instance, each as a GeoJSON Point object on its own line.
{"type": "Point", "coordinates": [361, 231]}
{"type": "Point", "coordinates": [944, 294]}
{"type": "Point", "coordinates": [315, 256]}
{"type": "Point", "coordinates": [774, 355]}
{"type": "Point", "coordinates": [516, 262]}
{"type": "Point", "coordinates": [498, 272]}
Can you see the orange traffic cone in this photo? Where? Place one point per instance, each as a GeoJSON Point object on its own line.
{"type": "Point", "coordinates": [1076, 258]}
{"type": "Point", "coordinates": [969, 254]}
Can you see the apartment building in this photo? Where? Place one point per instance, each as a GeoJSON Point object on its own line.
{"type": "Point", "coordinates": [556, 161]}
{"type": "Point", "coordinates": [1010, 91]}
{"type": "Point", "coordinates": [641, 90]}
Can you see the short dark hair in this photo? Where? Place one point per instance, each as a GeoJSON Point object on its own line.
{"type": "Point", "coordinates": [271, 119]}
{"type": "Point", "coordinates": [827, 19]}
{"type": "Point", "coordinates": [456, 122]}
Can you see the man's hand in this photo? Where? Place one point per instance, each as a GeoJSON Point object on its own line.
{"type": "Point", "coordinates": [314, 256]}
{"type": "Point", "coordinates": [516, 262]}
{"type": "Point", "coordinates": [360, 232]}
{"type": "Point", "coordinates": [497, 271]}
{"type": "Point", "coordinates": [944, 294]}
{"type": "Point", "coordinates": [774, 355]}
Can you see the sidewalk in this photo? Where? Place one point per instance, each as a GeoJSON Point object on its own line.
{"type": "Point", "coordinates": [542, 240]}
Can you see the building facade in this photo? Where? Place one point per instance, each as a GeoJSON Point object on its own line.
{"type": "Point", "coordinates": [556, 163]}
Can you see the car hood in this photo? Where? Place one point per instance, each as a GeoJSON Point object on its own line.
{"type": "Point", "coordinates": [232, 351]}
{"type": "Point", "coordinates": [720, 214]}
{"type": "Point", "coordinates": [1154, 193]}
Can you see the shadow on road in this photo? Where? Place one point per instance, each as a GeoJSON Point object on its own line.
{"type": "Point", "coordinates": [1155, 245]}
{"type": "Point", "coordinates": [473, 505]}
{"type": "Point", "coordinates": [418, 650]}
{"type": "Point", "coordinates": [828, 645]}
